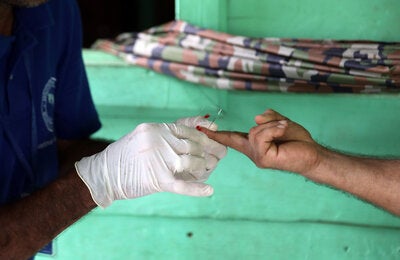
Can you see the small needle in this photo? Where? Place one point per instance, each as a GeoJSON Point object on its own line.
{"type": "Point", "coordinates": [215, 118]}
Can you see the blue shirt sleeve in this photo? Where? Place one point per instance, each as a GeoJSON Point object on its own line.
{"type": "Point", "coordinates": [75, 114]}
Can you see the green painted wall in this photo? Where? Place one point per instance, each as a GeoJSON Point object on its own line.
{"type": "Point", "coordinates": [254, 213]}
{"type": "Point", "coordinates": [339, 19]}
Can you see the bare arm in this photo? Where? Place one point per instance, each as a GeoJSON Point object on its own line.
{"type": "Point", "coordinates": [374, 180]}
{"type": "Point", "coordinates": [278, 143]}
{"type": "Point", "coordinates": [31, 223]}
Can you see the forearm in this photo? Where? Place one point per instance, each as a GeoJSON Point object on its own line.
{"type": "Point", "coordinates": [374, 180]}
{"type": "Point", "coordinates": [30, 223]}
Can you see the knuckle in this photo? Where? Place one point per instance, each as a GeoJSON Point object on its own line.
{"type": "Point", "coordinates": [144, 127]}
{"type": "Point", "coordinates": [258, 163]}
{"type": "Point", "coordinates": [224, 151]}
{"type": "Point", "coordinates": [189, 121]}
{"type": "Point", "coordinates": [260, 136]}
{"type": "Point", "coordinates": [252, 131]}
{"type": "Point", "coordinates": [262, 165]}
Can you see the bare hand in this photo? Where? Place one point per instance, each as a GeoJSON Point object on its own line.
{"type": "Point", "coordinates": [276, 142]}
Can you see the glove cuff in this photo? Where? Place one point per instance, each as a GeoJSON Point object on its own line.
{"type": "Point", "coordinates": [91, 171]}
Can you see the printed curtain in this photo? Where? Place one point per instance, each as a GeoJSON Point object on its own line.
{"type": "Point", "coordinates": [233, 62]}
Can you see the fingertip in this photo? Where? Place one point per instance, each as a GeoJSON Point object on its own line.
{"type": "Point", "coordinates": [204, 129]}
{"type": "Point", "coordinates": [263, 118]}
{"type": "Point", "coordinates": [206, 191]}
{"type": "Point", "coordinates": [196, 189]}
{"type": "Point", "coordinates": [259, 119]}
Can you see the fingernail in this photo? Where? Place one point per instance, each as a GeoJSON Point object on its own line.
{"type": "Point", "coordinates": [207, 116]}
{"type": "Point", "coordinates": [282, 124]}
{"type": "Point", "coordinates": [198, 128]}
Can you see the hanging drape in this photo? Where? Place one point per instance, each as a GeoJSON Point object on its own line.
{"type": "Point", "coordinates": [227, 61]}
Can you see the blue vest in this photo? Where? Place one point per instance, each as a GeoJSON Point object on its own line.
{"type": "Point", "coordinates": [44, 95]}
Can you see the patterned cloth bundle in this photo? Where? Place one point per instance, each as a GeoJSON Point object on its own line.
{"type": "Point", "coordinates": [228, 61]}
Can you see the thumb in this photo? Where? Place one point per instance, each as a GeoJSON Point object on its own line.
{"type": "Point", "coordinates": [268, 116]}
{"type": "Point", "coordinates": [197, 189]}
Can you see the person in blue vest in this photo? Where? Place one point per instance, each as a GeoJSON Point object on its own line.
{"type": "Point", "coordinates": [277, 142]}
{"type": "Point", "coordinates": [51, 172]}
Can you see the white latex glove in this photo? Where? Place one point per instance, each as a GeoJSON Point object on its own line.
{"type": "Point", "coordinates": [197, 121]}
{"type": "Point", "coordinates": [213, 151]}
{"type": "Point", "coordinates": [152, 158]}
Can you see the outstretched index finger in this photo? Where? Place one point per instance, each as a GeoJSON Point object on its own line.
{"type": "Point", "coordinates": [236, 140]}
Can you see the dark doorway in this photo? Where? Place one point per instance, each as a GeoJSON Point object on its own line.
{"type": "Point", "coordinates": [107, 19]}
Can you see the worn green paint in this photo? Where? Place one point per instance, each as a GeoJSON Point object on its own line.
{"type": "Point", "coordinates": [340, 19]}
{"type": "Point", "coordinates": [254, 213]}
{"type": "Point", "coordinates": [116, 237]}
{"type": "Point", "coordinates": [208, 13]}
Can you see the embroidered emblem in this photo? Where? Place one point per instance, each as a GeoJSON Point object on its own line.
{"type": "Point", "coordinates": [47, 106]}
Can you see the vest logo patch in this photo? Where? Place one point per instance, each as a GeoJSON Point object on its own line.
{"type": "Point", "coordinates": [48, 101]}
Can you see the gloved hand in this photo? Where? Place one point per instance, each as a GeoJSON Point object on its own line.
{"type": "Point", "coordinates": [153, 158]}
{"type": "Point", "coordinates": [214, 151]}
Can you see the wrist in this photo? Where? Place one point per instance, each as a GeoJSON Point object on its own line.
{"type": "Point", "coordinates": [81, 188]}
{"type": "Point", "coordinates": [318, 164]}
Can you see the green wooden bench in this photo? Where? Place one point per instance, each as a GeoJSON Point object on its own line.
{"type": "Point", "coordinates": [254, 213]}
